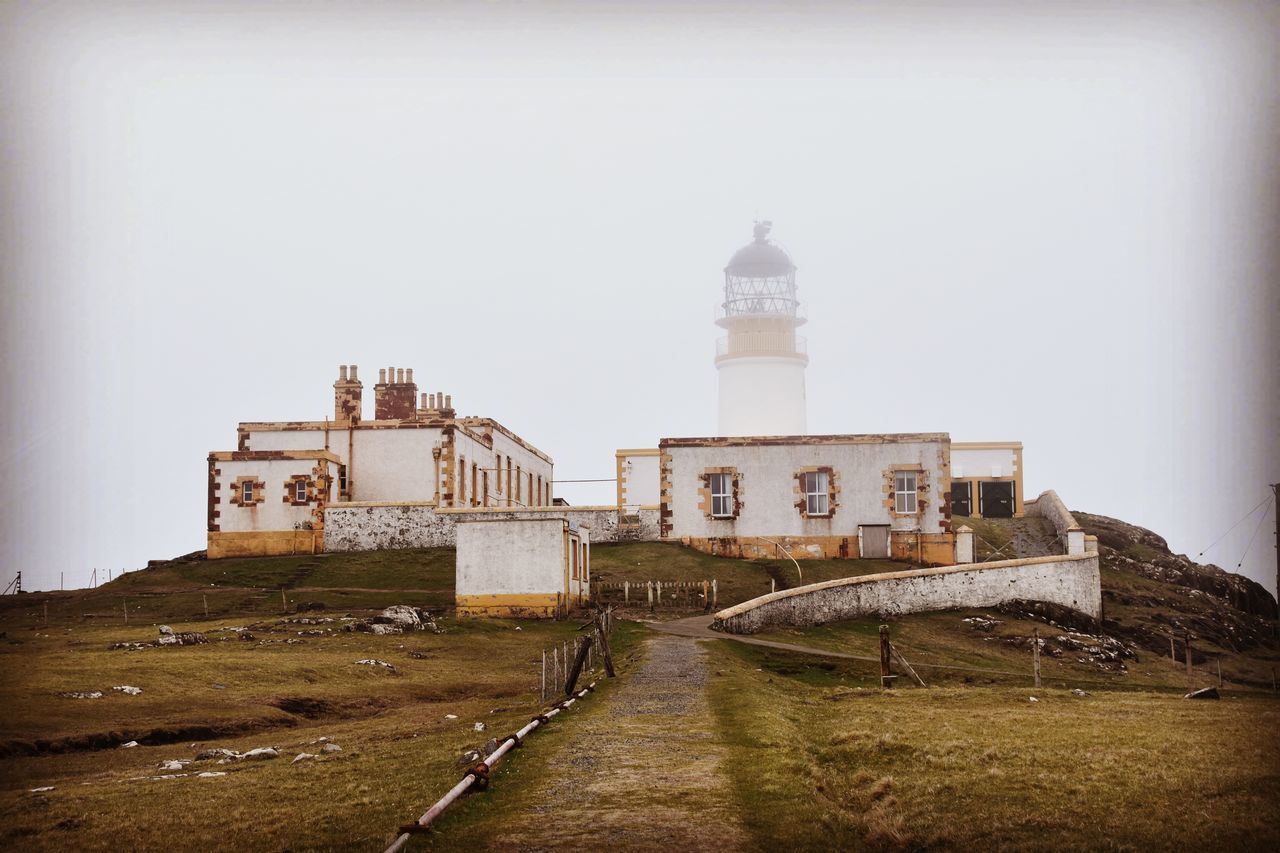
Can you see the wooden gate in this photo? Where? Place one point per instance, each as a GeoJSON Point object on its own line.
{"type": "Point", "coordinates": [875, 541]}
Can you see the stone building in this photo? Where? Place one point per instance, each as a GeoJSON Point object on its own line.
{"type": "Point", "coordinates": [269, 496]}
{"type": "Point", "coordinates": [820, 496]}
{"type": "Point", "coordinates": [522, 567]}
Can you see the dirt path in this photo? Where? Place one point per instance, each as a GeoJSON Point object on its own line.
{"type": "Point", "coordinates": [642, 772]}
{"type": "Point", "coordinates": [700, 627]}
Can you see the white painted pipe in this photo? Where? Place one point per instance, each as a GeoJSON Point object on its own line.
{"type": "Point", "coordinates": [467, 781]}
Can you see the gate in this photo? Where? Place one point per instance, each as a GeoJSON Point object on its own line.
{"type": "Point", "coordinates": [875, 541]}
{"type": "Point", "coordinates": [961, 499]}
{"type": "Point", "coordinates": [996, 499]}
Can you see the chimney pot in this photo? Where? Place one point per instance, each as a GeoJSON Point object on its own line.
{"type": "Point", "coordinates": [391, 375]}
{"type": "Point", "coordinates": [408, 377]}
{"type": "Point", "coordinates": [342, 373]}
{"type": "Point", "coordinates": [399, 375]}
{"type": "Point", "coordinates": [432, 399]}
{"type": "Point", "coordinates": [382, 375]}
{"type": "Point", "coordinates": [448, 401]}
{"type": "Point", "coordinates": [354, 378]}
{"type": "Point", "coordinates": [424, 401]}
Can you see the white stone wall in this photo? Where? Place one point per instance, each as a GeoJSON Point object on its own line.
{"type": "Point", "coordinates": [1070, 581]}
{"type": "Point", "coordinates": [508, 557]}
{"type": "Point", "coordinates": [768, 479]}
{"type": "Point", "coordinates": [984, 463]}
{"type": "Point", "coordinates": [640, 481]}
{"type": "Point", "coordinates": [1051, 507]}
{"type": "Point", "coordinates": [474, 451]}
{"type": "Point", "coordinates": [273, 512]}
{"type": "Point", "coordinates": [762, 396]}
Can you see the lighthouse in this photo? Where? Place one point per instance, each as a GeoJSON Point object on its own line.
{"type": "Point", "coordinates": [761, 359]}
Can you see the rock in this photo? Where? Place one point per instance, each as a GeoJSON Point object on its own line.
{"type": "Point", "coordinates": [322, 739]}
{"type": "Point", "coordinates": [1033, 699]}
{"type": "Point", "coordinates": [478, 727]}
{"type": "Point", "coordinates": [451, 716]}
{"type": "Point", "coordinates": [173, 765]}
{"type": "Point", "coordinates": [216, 752]}
{"type": "Point", "coordinates": [981, 623]}
{"type": "Point", "coordinates": [186, 638]}
{"type": "Point", "coordinates": [124, 688]}
{"type": "Point", "coordinates": [331, 747]}
{"type": "Point", "coordinates": [490, 747]}
{"type": "Point", "coordinates": [375, 662]}
{"type": "Point", "coordinates": [470, 757]}
{"type": "Point", "coordinates": [245, 635]}
{"type": "Point", "coordinates": [42, 790]}
{"type": "Point", "coordinates": [129, 647]}
{"type": "Point", "coordinates": [209, 774]}
{"type": "Point", "coordinates": [1078, 692]}
{"type": "Point", "coordinates": [90, 694]}
{"type": "Point", "coordinates": [130, 745]}
{"type": "Point", "coordinates": [166, 631]}
{"type": "Point", "coordinates": [1203, 693]}
{"type": "Point", "coordinates": [302, 756]}
{"type": "Point", "coordinates": [261, 752]}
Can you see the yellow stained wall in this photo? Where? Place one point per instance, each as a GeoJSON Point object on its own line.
{"type": "Point", "coordinates": [930, 549]}
{"type": "Point", "coordinates": [264, 543]}
{"type": "Point", "coordinates": [524, 605]}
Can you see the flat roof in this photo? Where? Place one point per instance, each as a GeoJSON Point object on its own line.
{"type": "Point", "coordinates": [803, 440]}
{"type": "Point", "coordinates": [269, 455]}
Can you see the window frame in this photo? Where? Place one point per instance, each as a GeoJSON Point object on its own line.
{"type": "Point", "coordinates": [727, 496]}
{"type": "Point", "coordinates": [300, 494]}
{"type": "Point", "coordinates": [817, 488]}
{"type": "Point", "coordinates": [246, 492]}
{"type": "Point", "coordinates": [900, 492]}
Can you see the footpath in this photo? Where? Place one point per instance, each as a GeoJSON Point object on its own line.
{"type": "Point", "coordinates": [642, 772]}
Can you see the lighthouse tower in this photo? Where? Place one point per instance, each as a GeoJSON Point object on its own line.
{"type": "Point", "coordinates": [761, 360]}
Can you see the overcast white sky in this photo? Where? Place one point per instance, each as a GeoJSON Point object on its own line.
{"type": "Point", "coordinates": [1055, 224]}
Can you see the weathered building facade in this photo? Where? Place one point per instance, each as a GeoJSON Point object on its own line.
{"type": "Point", "coordinates": [416, 449]}
{"type": "Point", "coordinates": [825, 496]}
{"type": "Point", "coordinates": [521, 567]}
{"type": "Point", "coordinates": [986, 479]}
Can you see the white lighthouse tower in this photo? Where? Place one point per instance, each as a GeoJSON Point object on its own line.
{"type": "Point", "coordinates": [761, 360]}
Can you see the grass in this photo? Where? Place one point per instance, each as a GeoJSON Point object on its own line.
{"type": "Point", "coordinates": [736, 580]}
{"type": "Point", "coordinates": [817, 764]}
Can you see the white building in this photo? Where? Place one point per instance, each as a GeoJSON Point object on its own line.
{"type": "Point", "coordinates": [530, 568]}
{"type": "Point", "coordinates": [986, 479]}
{"type": "Point", "coordinates": [761, 360]}
{"type": "Point", "coordinates": [415, 451]}
{"type": "Point", "coordinates": [822, 496]}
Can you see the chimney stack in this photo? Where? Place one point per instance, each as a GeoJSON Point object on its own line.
{"type": "Point", "coordinates": [347, 393]}
{"type": "Point", "coordinates": [394, 398]}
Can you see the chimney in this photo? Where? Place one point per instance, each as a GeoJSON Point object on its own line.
{"type": "Point", "coordinates": [347, 392]}
{"type": "Point", "coordinates": [394, 399]}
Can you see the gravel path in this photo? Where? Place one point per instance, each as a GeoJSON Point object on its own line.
{"type": "Point", "coordinates": [642, 772]}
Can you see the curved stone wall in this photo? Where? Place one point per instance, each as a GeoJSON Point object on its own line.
{"type": "Point", "coordinates": [1071, 581]}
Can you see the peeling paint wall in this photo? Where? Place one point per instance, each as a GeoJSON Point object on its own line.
{"type": "Point", "coordinates": [638, 477]}
{"type": "Point", "coordinates": [376, 526]}
{"type": "Point", "coordinates": [277, 519]}
{"type": "Point", "coordinates": [518, 567]}
{"type": "Point", "coordinates": [1069, 581]}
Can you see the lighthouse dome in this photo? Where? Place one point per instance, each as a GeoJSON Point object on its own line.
{"type": "Point", "coordinates": [760, 258]}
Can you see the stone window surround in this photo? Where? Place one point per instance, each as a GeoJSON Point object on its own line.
{"type": "Point", "coordinates": [259, 491]}
{"type": "Point", "coordinates": [291, 489]}
{"type": "Point", "coordinates": [704, 493]}
{"type": "Point", "coordinates": [833, 491]}
{"type": "Point", "coordinates": [922, 489]}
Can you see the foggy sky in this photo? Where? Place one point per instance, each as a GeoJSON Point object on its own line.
{"type": "Point", "coordinates": [1049, 224]}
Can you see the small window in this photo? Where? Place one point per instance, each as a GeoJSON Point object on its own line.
{"type": "Point", "coordinates": [300, 491]}
{"type": "Point", "coordinates": [342, 480]}
{"type": "Point", "coordinates": [246, 494]}
{"type": "Point", "coordinates": [817, 499]}
{"type": "Point", "coordinates": [721, 495]}
{"type": "Point", "coordinates": [904, 488]}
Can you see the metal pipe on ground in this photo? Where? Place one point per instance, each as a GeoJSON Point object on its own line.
{"type": "Point", "coordinates": [467, 781]}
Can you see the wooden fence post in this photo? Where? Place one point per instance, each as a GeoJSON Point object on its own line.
{"type": "Point", "coordinates": [205, 599]}
{"type": "Point", "coordinates": [713, 592]}
{"type": "Point", "coordinates": [626, 592]}
{"type": "Point", "coordinates": [571, 681]}
{"type": "Point", "coordinates": [1035, 653]}
{"type": "Point", "coordinates": [908, 668]}
{"type": "Point", "coordinates": [773, 585]}
{"type": "Point", "coordinates": [1173, 656]}
{"type": "Point", "coordinates": [544, 675]}
{"type": "Point", "coordinates": [283, 604]}
{"type": "Point", "coordinates": [125, 602]}
{"type": "Point", "coordinates": [602, 636]}
{"type": "Point", "coordinates": [886, 674]}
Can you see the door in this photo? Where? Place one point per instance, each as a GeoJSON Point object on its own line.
{"type": "Point", "coordinates": [961, 499]}
{"type": "Point", "coordinates": [875, 541]}
{"type": "Point", "coordinates": [995, 499]}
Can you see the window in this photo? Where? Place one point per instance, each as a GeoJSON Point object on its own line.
{"type": "Point", "coordinates": [519, 495]}
{"type": "Point", "coordinates": [475, 493]}
{"type": "Point", "coordinates": [342, 480]}
{"type": "Point", "coordinates": [462, 482]}
{"type": "Point", "coordinates": [484, 479]}
{"type": "Point", "coordinates": [497, 468]}
{"type": "Point", "coordinates": [904, 492]}
{"type": "Point", "coordinates": [246, 494]}
{"type": "Point", "coordinates": [721, 495]}
{"type": "Point", "coordinates": [539, 492]}
{"type": "Point", "coordinates": [300, 491]}
{"type": "Point", "coordinates": [532, 499]}
{"type": "Point", "coordinates": [817, 497]}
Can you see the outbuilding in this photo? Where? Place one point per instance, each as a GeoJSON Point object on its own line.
{"type": "Point", "coordinates": [532, 568]}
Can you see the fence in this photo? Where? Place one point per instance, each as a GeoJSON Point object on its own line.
{"type": "Point", "coordinates": [688, 595]}
{"type": "Point", "coordinates": [558, 672]}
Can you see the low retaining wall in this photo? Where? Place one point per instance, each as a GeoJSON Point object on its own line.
{"type": "Point", "coordinates": [390, 526]}
{"type": "Point", "coordinates": [1070, 534]}
{"type": "Point", "coordinates": [1071, 581]}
